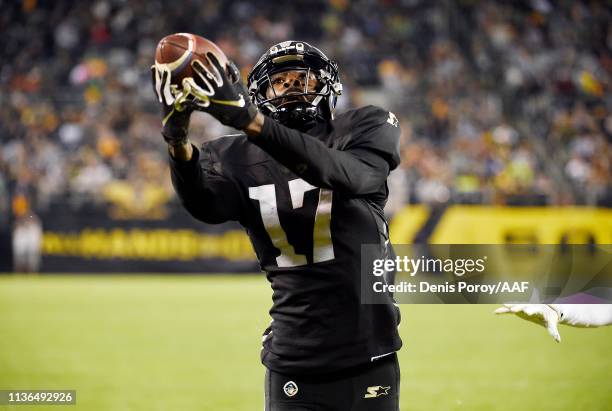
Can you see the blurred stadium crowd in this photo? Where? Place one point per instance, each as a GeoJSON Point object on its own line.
{"type": "Point", "coordinates": [499, 102]}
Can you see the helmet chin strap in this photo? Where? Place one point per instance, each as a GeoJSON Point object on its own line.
{"type": "Point", "coordinates": [299, 115]}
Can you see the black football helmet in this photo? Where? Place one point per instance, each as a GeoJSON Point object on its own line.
{"type": "Point", "coordinates": [297, 109]}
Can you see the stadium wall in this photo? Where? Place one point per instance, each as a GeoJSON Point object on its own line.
{"type": "Point", "coordinates": [96, 240]}
{"type": "Point", "coordinates": [505, 225]}
{"type": "Point", "coordinates": [91, 239]}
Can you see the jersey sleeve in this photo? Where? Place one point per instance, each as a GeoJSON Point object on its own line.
{"type": "Point", "coordinates": [204, 191]}
{"type": "Point", "coordinates": [360, 166]}
{"type": "Point", "coordinates": [585, 315]}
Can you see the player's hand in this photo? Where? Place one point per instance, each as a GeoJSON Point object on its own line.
{"type": "Point", "coordinates": [542, 314]}
{"type": "Point", "coordinates": [219, 94]}
{"type": "Point", "coordinates": [176, 107]}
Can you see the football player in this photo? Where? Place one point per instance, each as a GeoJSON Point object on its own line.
{"type": "Point", "coordinates": [309, 188]}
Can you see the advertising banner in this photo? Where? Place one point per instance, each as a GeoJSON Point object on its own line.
{"type": "Point", "coordinates": [89, 240]}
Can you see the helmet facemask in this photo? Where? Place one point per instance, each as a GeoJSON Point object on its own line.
{"type": "Point", "coordinates": [309, 89]}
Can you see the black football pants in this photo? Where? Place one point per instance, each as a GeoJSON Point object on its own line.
{"type": "Point", "coordinates": [374, 387]}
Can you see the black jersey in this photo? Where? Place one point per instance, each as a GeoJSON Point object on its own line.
{"type": "Point", "coordinates": [308, 201]}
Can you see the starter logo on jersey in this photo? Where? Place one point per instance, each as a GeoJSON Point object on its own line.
{"type": "Point", "coordinates": [290, 388]}
{"type": "Point", "coordinates": [376, 391]}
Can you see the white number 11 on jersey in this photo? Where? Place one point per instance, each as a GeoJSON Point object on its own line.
{"type": "Point", "coordinates": [323, 249]}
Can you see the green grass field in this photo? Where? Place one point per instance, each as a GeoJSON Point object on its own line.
{"type": "Point", "coordinates": [193, 342]}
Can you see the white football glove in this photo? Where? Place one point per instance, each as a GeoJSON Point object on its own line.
{"type": "Point", "coordinates": [542, 314]}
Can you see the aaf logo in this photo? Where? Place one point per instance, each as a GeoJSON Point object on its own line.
{"type": "Point", "coordinates": [290, 388]}
{"type": "Point", "coordinates": [376, 391]}
{"type": "Point", "coordinates": [287, 45]}
{"type": "Point", "coordinates": [393, 120]}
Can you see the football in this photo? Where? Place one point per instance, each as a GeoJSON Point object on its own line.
{"type": "Point", "coordinates": [180, 49]}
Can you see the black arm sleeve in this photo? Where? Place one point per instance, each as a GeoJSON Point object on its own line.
{"type": "Point", "coordinates": [204, 191]}
{"type": "Point", "coordinates": [360, 166]}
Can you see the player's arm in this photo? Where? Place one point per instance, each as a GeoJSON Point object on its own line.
{"type": "Point", "coordinates": [550, 315]}
{"type": "Point", "coordinates": [360, 167]}
{"type": "Point", "coordinates": [204, 191]}
{"type": "Point", "coordinates": [182, 151]}
{"type": "Point", "coordinates": [584, 315]}
{"type": "Point", "coordinates": [207, 194]}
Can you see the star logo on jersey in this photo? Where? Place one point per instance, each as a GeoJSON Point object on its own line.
{"type": "Point", "coordinates": [290, 388]}
{"type": "Point", "coordinates": [376, 391]}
